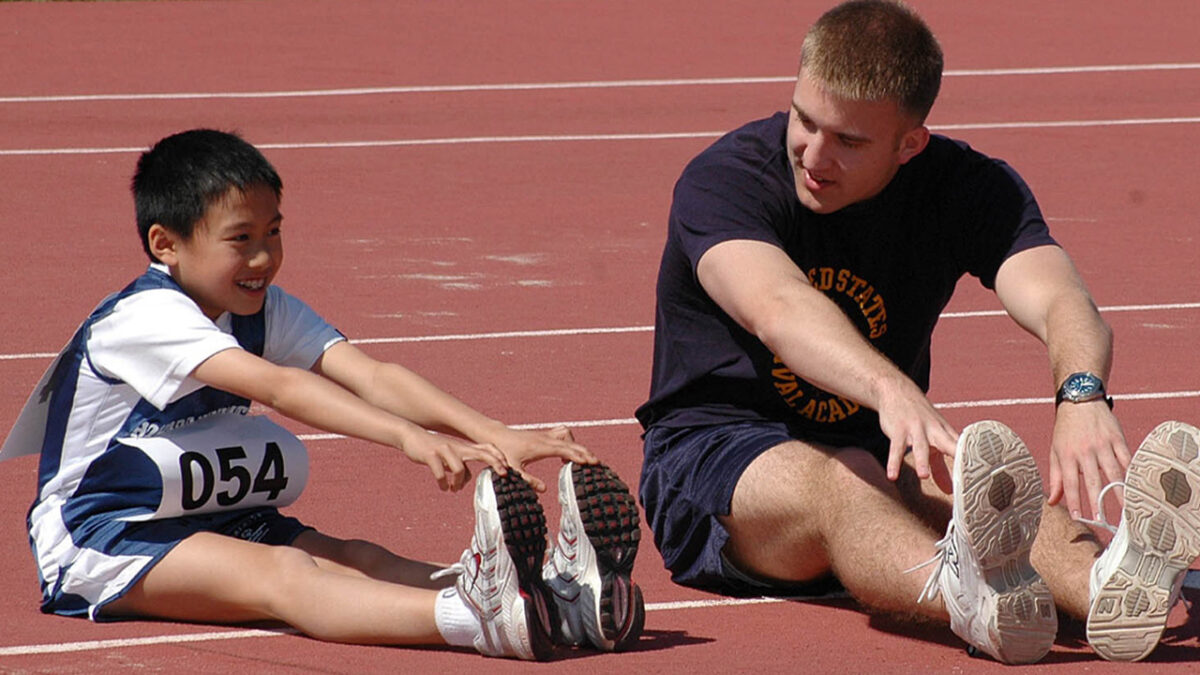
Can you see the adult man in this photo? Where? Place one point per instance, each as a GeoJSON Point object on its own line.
{"type": "Point", "coordinates": [807, 260]}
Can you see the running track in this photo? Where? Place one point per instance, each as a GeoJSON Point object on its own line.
{"type": "Point", "coordinates": [479, 189]}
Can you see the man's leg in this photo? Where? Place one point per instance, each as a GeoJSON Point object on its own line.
{"type": "Point", "coordinates": [1063, 551]}
{"type": "Point", "coordinates": [802, 511]}
{"type": "Point", "coordinates": [839, 513]}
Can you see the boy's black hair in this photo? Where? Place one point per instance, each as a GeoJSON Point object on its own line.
{"type": "Point", "coordinates": [183, 174]}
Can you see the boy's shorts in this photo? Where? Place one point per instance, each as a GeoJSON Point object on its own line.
{"type": "Point", "coordinates": [118, 554]}
{"type": "Point", "coordinates": [688, 479]}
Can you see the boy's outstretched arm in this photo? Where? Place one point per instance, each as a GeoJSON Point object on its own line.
{"type": "Point", "coordinates": [314, 400]}
{"type": "Point", "coordinates": [402, 392]}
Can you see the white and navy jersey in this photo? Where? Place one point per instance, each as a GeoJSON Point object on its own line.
{"type": "Point", "coordinates": [111, 420]}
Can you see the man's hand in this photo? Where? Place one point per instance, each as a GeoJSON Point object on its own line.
{"type": "Point", "coordinates": [1087, 442]}
{"type": "Point", "coordinates": [911, 421]}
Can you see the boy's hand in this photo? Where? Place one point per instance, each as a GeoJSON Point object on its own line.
{"type": "Point", "coordinates": [522, 447]}
{"type": "Point", "coordinates": [447, 456]}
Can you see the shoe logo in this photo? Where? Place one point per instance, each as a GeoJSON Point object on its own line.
{"type": "Point", "coordinates": [951, 557]}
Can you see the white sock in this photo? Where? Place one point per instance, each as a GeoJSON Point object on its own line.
{"type": "Point", "coordinates": [455, 621]}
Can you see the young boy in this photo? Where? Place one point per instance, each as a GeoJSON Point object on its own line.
{"type": "Point", "coordinates": [155, 482]}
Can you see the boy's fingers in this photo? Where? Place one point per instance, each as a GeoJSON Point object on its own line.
{"type": "Point", "coordinates": [534, 482]}
{"type": "Point", "coordinates": [439, 474]}
{"type": "Point", "coordinates": [562, 433]}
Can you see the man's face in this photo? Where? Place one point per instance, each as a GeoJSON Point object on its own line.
{"type": "Point", "coordinates": [843, 151]}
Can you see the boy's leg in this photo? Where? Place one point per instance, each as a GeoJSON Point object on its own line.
{"type": "Point", "coordinates": [336, 595]}
{"type": "Point", "coordinates": [366, 559]}
{"type": "Point", "coordinates": [212, 578]}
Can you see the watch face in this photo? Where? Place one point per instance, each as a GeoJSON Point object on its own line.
{"type": "Point", "coordinates": [1081, 387]}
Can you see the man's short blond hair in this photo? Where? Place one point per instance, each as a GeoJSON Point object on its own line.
{"type": "Point", "coordinates": [875, 50]}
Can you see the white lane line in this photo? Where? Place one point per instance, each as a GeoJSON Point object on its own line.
{"type": "Point", "coordinates": [507, 334]}
{"type": "Point", "coordinates": [949, 405]}
{"type": "Point", "coordinates": [1066, 124]}
{"type": "Point", "coordinates": [585, 84]}
{"type": "Point", "coordinates": [573, 138]}
{"type": "Point", "coordinates": [93, 645]}
{"type": "Point", "coordinates": [564, 332]}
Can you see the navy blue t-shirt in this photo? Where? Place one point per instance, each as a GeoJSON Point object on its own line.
{"type": "Point", "coordinates": [890, 263]}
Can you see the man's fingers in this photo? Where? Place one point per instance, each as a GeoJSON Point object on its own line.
{"type": "Point", "coordinates": [945, 440]}
{"type": "Point", "coordinates": [895, 457]}
{"type": "Point", "coordinates": [1070, 487]}
{"type": "Point", "coordinates": [1056, 488]}
{"type": "Point", "coordinates": [920, 450]}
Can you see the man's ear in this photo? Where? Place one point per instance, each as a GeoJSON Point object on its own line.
{"type": "Point", "coordinates": [913, 142]}
{"type": "Point", "coordinates": [164, 244]}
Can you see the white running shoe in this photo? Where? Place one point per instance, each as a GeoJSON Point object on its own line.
{"type": "Point", "coordinates": [1137, 580]}
{"type": "Point", "coordinates": [588, 571]}
{"type": "Point", "coordinates": [498, 573]}
{"type": "Point", "coordinates": [996, 600]}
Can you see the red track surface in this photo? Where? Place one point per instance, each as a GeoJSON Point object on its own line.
{"type": "Point", "coordinates": [470, 238]}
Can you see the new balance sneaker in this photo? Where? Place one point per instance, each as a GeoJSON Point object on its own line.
{"type": "Point", "coordinates": [996, 600]}
{"type": "Point", "coordinates": [588, 573]}
{"type": "Point", "coordinates": [498, 573]}
{"type": "Point", "coordinates": [1137, 580]}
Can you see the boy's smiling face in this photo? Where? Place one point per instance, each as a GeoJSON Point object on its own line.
{"type": "Point", "coordinates": [233, 254]}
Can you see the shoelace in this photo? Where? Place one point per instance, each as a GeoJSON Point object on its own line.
{"type": "Point", "coordinates": [1102, 522]}
{"type": "Point", "coordinates": [933, 586]}
{"type": "Point", "coordinates": [455, 569]}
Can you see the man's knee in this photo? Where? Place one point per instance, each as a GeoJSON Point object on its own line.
{"type": "Point", "coordinates": [800, 479]}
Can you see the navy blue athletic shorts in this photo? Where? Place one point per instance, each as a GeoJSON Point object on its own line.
{"type": "Point", "coordinates": [688, 479]}
{"type": "Point", "coordinates": [155, 538]}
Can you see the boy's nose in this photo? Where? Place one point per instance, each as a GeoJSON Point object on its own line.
{"type": "Point", "coordinates": [260, 258]}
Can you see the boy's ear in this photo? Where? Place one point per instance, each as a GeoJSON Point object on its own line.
{"type": "Point", "coordinates": [163, 244]}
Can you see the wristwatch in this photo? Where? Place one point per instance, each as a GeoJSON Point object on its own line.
{"type": "Point", "coordinates": [1080, 388]}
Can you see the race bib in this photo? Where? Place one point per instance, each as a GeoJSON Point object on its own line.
{"type": "Point", "coordinates": [222, 463]}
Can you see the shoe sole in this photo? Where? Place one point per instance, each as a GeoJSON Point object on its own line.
{"type": "Point", "coordinates": [610, 520]}
{"type": "Point", "coordinates": [1001, 508]}
{"type": "Point", "coordinates": [1162, 516]}
{"type": "Point", "coordinates": [523, 527]}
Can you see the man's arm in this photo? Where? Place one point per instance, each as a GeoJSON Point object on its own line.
{"type": "Point", "coordinates": [768, 295]}
{"type": "Point", "coordinates": [1043, 293]}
